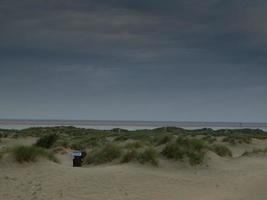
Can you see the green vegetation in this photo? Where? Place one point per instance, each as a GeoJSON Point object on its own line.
{"type": "Point", "coordinates": [255, 151]}
{"type": "Point", "coordinates": [192, 149]}
{"type": "Point", "coordinates": [88, 142]}
{"type": "Point", "coordinates": [129, 156]}
{"type": "Point", "coordinates": [31, 154]}
{"type": "Point", "coordinates": [106, 154]}
{"type": "Point", "coordinates": [149, 155]}
{"type": "Point", "coordinates": [163, 139]}
{"type": "Point", "coordinates": [47, 141]}
{"type": "Point", "coordinates": [66, 132]}
{"type": "Point", "coordinates": [221, 150]}
{"type": "Point", "coordinates": [209, 139]}
{"type": "Point", "coordinates": [143, 146]}
{"type": "Point", "coordinates": [134, 145]}
{"type": "Point", "coordinates": [237, 139]}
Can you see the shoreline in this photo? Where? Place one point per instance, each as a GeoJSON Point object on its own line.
{"type": "Point", "coordinates": [128, 125]}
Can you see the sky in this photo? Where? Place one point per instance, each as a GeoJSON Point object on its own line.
{"type": "Point", "coordinates": [173, 60]}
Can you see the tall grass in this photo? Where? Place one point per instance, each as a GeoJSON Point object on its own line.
{"type": "Point", "coordinates": [163, 139]}
{"type": "Point", "coordinates": [47, 141]}
{"type": "Point", "coordinates": [134, 145]}
{"type": "Point", "coordinates": [105, 154]}
{"type": "Point", "coordinates": [221, 150]}
{"type": "Point", "coordinates": [238, 139]}
{"type": "Point", "coordinates": [185, 148]}
{"type": "Point", "coordinates": [130, 155]}
{"type": "Point", "coordinates": [255, 151]}
{"type": "Point", "coordinates": [149, 155]}
{"type": "Point", "coordinates": [210, 139]}
{"type": "Point", "coordinates": [31, 154]}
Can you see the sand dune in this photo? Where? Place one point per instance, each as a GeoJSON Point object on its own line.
{"type": "Point", "coordinates": [237, 178]}
{"type": "Point", "coordinates": [233, 179]}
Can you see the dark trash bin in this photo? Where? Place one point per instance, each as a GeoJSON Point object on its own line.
{"type": "Point", "coordinates": [77, 158]}
{"type": "Point", "coordinates": [77, 161]}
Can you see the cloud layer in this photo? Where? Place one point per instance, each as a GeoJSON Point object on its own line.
{"type": "Point", "coordinates": [180, 59]}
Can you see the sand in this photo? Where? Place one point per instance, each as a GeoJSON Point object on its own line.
{"type": "Point", "coordinates": [238, 178]}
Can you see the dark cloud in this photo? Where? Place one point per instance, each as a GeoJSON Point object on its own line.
{"type": "Point", "coordinates": [133, 53]}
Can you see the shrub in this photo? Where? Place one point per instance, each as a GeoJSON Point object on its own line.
{"type": "Point", "coordinates": [104, 155]}
{"type": "Point", "coordinates": [196, 158]}
{"type": "Point", "coordinates": [238, 139]}
{"type": "Point", "coordinates": [221, 150]}
{"type": "Point", "coordinates": [78, 145]}
{"type": "Point", "coordinates": [123, 137]}
{"type": "Point", "coordinates": [95, 141]}
{"type": "Point", "coordinates": [148, 156]}
{"type": "Point", "coordinates": [163, 139]}
{"type": "Point", "coordinates": [63, 143]}
{"type": "Point", "coordinates": [31, 154]}
{"type": "Point", "coordinates": [130, 155]}
{"type": "Point", "coordinates": [193, 149]}
{"type": "Point", "coordinates": [173, 151]}
{"type": "Point", "coordinates": [92, 142]}
{"type": "Point", "coordinates": [47, 141]}
{"type": "Point", "coordinates": [134, 145]}
{"type": "Point", "coordinates": [209, 139]}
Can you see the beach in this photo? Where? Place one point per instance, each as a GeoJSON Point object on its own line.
{"type": "Point", "coordinates": [129, 125]}
{"type": "Point", "coordinates": [222, 178]}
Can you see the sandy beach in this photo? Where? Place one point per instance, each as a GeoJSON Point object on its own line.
{"type": "Point", "coordinates": [236, 178]}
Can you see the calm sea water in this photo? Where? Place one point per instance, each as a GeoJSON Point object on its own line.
{"type": "Point", "coordinates": [130, 125]}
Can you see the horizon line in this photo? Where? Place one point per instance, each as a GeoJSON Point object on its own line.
{"type": "Point", "coordinates": [142, 121]}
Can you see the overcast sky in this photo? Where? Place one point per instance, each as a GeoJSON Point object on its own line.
{"type": "Point", "coordinates": [179, 60]}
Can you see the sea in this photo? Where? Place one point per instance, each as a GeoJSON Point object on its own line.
{"type": "Point", "coordinates": [129, 125]}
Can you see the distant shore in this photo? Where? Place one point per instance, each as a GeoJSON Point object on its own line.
{"type": "Point", "coordinates": [129, 125]}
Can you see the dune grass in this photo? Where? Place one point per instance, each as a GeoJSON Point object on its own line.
{"type": "Point", "coordinates": [163, 139]}
{"type": "Point", "coordinates": [111, 152]}
{"type": "Point", "coordinates": [209, 139]}
{"type": "Point", "coordinates": [31, 154]}
{"type": "Point", "coordinates": [149, 155]}
{"type": "Point", "coordinates": [238, 139]}
{"type": "Point", "coordinates": [255, 151]}
{"type": "Point", "coordinates": [221, 150]}
{"type": "Point", "coordinates": [105, 146]}
{"type": "Point", "coordinates": [185, 148]}
{"type": "Point", "coordinates": [103, 155]}
{"type": "Point", "coordinates": [134, 145]}
{"type": "Point", "coordinates": [47, 141]}
{"type": "Point", "coordinates": [130, 155]}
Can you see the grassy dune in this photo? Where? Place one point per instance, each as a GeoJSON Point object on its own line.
{"type": "Point", "coordinates": [142, 146]}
